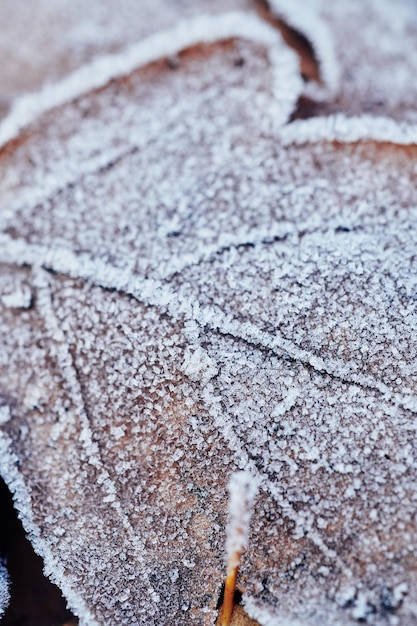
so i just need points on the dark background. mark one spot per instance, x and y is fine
(34, 600)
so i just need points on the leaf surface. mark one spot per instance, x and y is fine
(184, 294)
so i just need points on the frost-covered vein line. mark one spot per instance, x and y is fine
(266, 235)
(69, 178)
(246, 331)
(344, 129)
(204, 29)
(44, 303)
(156, 293)
(271, 488)
(9, 464)
(170, 267)
(299, 16)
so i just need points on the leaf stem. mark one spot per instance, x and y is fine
(242, 489)
(229, 590)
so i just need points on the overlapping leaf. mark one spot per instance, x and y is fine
(42, 41)
(367, 52)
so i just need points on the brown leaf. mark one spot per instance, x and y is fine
(185, 293)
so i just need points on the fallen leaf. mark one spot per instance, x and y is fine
(186, 291)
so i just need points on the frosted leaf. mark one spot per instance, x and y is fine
(368, 48)
(198, 366)
(4, 588)
(47, 40)
(107, 132)
(144, 510)
(207, 297)
(165, 45)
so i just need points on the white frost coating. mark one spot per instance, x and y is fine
(268, 486)
(14, 480)
(157, 293)
(304, 19)
(92, 449)
(205, 29)
(18, 299)
(242, 487)
(287, 403)
(4, 588)
(307, 435)
(340, 127)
